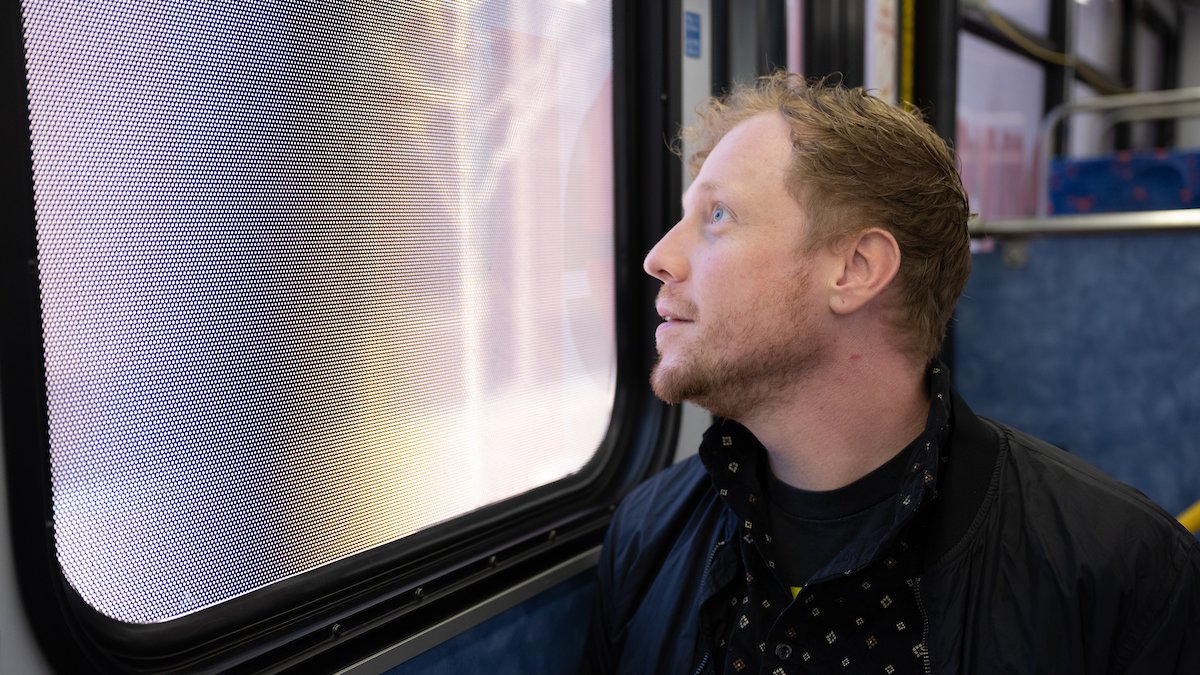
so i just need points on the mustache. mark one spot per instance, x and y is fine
(678, 306)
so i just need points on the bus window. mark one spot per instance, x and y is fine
(314, 281)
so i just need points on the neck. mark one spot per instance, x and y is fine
(845, 419)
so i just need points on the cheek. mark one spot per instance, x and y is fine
(727, 273)
(740, 280)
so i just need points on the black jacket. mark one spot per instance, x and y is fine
(1031, 561)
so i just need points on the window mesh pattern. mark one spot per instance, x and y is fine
(315, 276)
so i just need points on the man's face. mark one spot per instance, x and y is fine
(741, 315)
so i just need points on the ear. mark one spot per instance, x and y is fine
(867, 262)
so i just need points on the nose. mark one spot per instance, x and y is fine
(667, 261)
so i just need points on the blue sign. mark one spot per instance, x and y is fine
(691, 23)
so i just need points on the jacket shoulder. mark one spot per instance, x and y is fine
(1095, 571)
(1057, 483)
(656, 511)
(1110, 548)
(654, 549)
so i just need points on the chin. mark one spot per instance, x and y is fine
(664, 389)
(668, 383)
(676, 385)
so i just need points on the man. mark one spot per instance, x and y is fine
(848, 513)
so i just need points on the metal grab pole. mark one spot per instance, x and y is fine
(1173, 219)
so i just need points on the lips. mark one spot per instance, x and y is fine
(669, 322)
(672, 320)
(671, 314)
(675, 312)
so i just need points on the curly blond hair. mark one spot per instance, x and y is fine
(858, 162)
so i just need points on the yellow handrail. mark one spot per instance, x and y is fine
(1191, 518)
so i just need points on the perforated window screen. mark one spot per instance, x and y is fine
(315, 276)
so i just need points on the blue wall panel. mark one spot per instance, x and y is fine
(1094, 345)
(542, 635)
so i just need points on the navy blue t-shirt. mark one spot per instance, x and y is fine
(810, 528)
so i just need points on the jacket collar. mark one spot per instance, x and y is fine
(970, 473)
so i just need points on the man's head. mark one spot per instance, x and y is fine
(858, 162)
(805, 168)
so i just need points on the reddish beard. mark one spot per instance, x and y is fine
(739, 365)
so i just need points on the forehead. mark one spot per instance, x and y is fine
(755, 152)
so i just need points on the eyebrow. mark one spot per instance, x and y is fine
(707, 186)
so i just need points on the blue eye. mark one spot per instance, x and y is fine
(718, 213)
